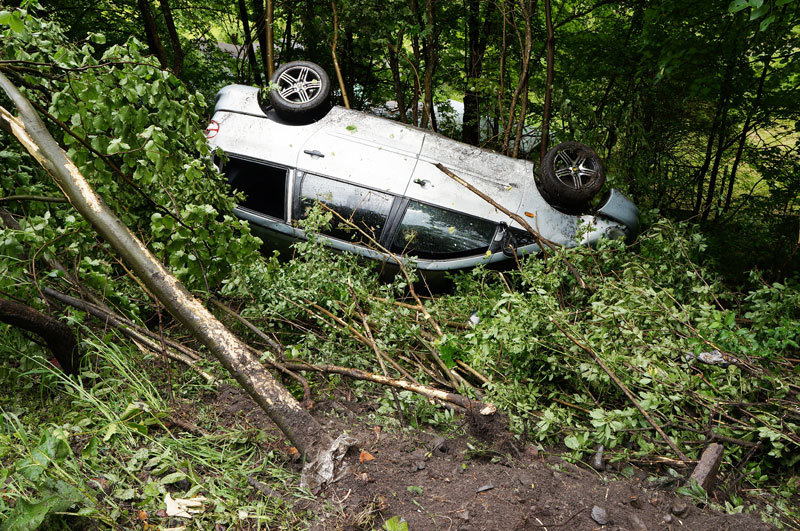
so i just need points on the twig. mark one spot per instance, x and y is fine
(40, 198)
(277, 347)
(380, 355)
(519, 219)
(624, 389)
(177, 352)
(423, 390)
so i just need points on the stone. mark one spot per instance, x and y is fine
(484, 488)
(599, 515)
(526, 480)
(636, 523)
(597, 462)
(679, 508)
(668, 519)
(705, 473)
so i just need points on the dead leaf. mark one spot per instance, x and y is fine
(142, 515)
(365, 456)
(184, 508)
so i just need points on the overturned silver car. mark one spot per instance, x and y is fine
(292, 150)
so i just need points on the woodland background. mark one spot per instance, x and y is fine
(693, 107)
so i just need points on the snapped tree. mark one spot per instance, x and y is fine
(294, 421)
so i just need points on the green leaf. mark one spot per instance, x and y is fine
(571, 442)
(760, 12)
(756, 3)
(172, 478)
(112, 430)
(26, 516)
(737, 5)
(16, 23)
(766, 22)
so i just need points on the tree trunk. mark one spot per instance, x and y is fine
(548, 88)
(57, 336)
(394, 66)
(177, 50)
(415, 47)
(701, 174)
(431, 50)
(286, 46)
(502, 67)
(151, 33)
(471, 123)
(743, 135)
(248, 42)
(338, 70)
(294, 421)
(270, 45)
(260, 22)
(712, 181)
(528, 11)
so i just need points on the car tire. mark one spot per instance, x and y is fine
(300, 91)
(572, 174)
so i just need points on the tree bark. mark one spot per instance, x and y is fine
(248, 42)
(394, 66)
(57, 336)
(270, 45)
(294, 421)
(430, 48)
(338, 70)
(415, 48)
(548, 89)
(177, 50)
(529, 8)
(701, 174)
(151, 33)
(286, 48)
(743, 136)
(260, 23)
(712, 181)
(470, 126)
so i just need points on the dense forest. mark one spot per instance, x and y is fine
(643, 353)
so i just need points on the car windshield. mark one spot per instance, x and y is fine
(430, 232)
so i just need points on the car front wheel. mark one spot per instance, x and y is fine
(300, 91)
(572, 174)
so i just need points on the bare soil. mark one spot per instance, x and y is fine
(478, 481)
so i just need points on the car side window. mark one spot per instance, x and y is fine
(264, 186)
(367, 209)
(430, 232)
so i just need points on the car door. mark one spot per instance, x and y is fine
(364, 150)
(497, 176)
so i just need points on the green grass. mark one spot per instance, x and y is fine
(97, 450)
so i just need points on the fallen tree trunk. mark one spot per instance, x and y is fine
(294, 421)
(57, 336)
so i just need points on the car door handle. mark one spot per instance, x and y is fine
(313, 153)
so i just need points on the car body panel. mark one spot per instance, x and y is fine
(391, 157)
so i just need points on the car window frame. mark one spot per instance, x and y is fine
(296, 214)
(492, 245)
(288, 181)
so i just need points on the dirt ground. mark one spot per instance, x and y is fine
(433, 481)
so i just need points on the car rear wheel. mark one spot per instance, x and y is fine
(300, 91)
(572, 174)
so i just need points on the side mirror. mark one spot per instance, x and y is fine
(508, 244)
